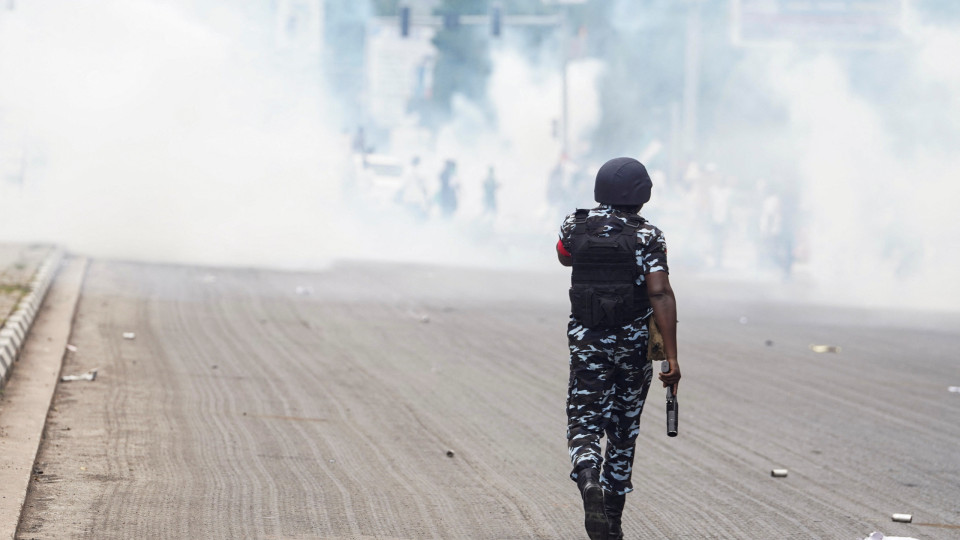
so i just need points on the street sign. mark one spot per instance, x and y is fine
(843, 23)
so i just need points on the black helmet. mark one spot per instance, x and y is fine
(622, 181)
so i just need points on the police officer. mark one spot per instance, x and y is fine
(619, 281)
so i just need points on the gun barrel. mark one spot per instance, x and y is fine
(672, 406)
(672, 411)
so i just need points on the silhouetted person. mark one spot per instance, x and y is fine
(449, 189)
(490, 187)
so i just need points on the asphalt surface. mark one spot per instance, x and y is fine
(377, 401)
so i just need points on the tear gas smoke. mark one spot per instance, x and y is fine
(879, 209)
(148, 134)
(155, 132)
(872, 167)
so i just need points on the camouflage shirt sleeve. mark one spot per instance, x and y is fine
(651, 250)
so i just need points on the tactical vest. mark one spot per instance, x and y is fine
(603, 291)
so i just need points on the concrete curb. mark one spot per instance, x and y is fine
(15, 329)
(29, 391)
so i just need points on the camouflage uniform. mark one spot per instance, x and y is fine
(610, 373)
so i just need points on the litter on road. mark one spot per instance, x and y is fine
(879, 536)
(778, 473)
(903, 518)
(304, 290)
(955, 389)
(88, 376)
(129, 335)
(824, 348)
(71, 348)
(422, 317)
(450, 453)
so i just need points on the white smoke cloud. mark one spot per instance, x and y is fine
(160, 138)
(880, 222)
(519, 142)
(157, 134)
(164, 136)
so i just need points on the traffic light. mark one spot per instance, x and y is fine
(495, 18)
(405, 21)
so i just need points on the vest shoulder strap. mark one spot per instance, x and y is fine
(635, 221)
(580, 220)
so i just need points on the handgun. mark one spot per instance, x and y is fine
(671, 404)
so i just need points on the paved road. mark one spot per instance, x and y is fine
(247, 409)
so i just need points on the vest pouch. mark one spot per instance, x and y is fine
(602, 305)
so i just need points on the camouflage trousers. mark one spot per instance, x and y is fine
(609, 379)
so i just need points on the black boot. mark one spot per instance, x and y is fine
(594, 518)
(613, 506)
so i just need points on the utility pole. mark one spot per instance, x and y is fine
(691, 79)
(565, 44)
(564, 105)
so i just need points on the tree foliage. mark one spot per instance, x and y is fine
(463, 60)
(386, 8)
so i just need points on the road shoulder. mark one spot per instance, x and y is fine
(27, 395)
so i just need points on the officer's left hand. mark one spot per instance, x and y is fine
(672, 377)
